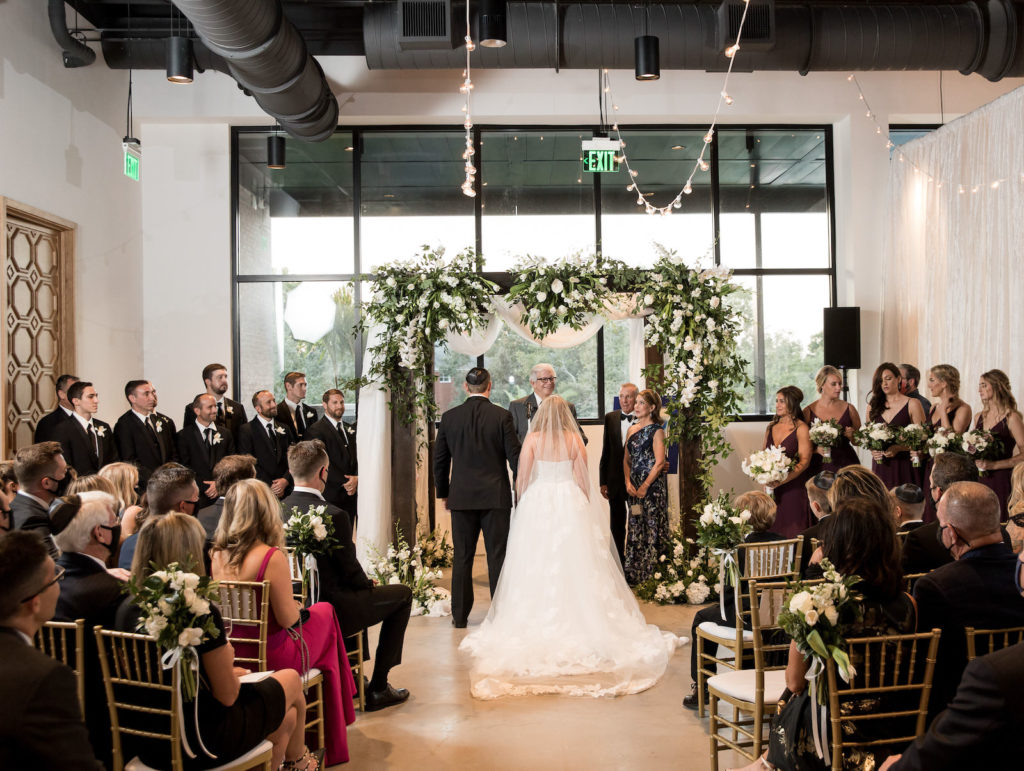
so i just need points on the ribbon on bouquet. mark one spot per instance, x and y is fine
(727, 562)
(172, 659)
(312, 574)
(819, 714)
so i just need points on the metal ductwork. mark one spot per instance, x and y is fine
(267, 56)
(75, 53)
(983, 36)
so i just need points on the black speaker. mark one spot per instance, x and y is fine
(842, 337)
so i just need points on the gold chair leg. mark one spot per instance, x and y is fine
(701, 679)
(713, 731)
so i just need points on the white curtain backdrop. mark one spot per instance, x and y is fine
(373, 438)
(953, 292)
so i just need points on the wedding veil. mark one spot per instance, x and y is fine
(554, 437)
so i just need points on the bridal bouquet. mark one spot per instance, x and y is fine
(981, 445)
(943, 440)
(875, 436)
(175, 607)
(767, 466)
(826, 434)
(311, 534)
(914, 436)
(402, 565)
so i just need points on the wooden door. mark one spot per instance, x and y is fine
(37, 306)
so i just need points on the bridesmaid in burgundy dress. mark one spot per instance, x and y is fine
(888, 405)
(788, 431)
(1000, 416)
(948, 411)
(829, 406)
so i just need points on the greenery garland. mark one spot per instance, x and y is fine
(566, 292)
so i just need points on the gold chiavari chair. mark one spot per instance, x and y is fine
(65, 642)
(910, 579)
(983, 641)
(354, 648)
(245, 605)
(888, 667)
(144, 702)
(772, 560)
(299, 589)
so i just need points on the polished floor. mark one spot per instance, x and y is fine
(443, 727)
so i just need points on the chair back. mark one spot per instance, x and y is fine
(245, 608)
(65, 642)
(888, 667)
(983, 641)
(910, 579)
(142, 696)
(767, 600)
(771, 559)
(299, 590)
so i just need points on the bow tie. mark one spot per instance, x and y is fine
(628, 418)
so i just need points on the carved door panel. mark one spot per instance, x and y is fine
(38, 311)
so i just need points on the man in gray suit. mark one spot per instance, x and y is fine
(542, 380)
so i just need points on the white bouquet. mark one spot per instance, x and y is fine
(875, 436)
(825, 434)
(404, 565)
(915, 436)
(981, 445)
(943, 440)
(768, 466)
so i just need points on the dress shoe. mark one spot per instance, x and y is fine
(691, 702)
(459, 624)
(388, 697)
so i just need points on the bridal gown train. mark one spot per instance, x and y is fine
(563, 619)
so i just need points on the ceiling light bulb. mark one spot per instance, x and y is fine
(709, 136)
(703, 164)
(687, 188)
(634, 173)
(677, 203)
(468, 124)
(630, 187)
(731, 50)
(728, 99)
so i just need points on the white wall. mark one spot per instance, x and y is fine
(60, 151)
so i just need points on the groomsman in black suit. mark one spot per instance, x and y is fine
(267, 441)
(88, 442)
(230, 413)
(42, 475)
(144, 436)
(202, 445)
(40, 721)
(293, 413)
(474, 443)
(339, 439)
(48, 423)
(542, 380)
(611, 473)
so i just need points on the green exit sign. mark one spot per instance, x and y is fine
(132, 161)
(600, 160)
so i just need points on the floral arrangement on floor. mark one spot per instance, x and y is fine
(721, 529)
(402, 565)
(175, 605)
(915, 437)
(310, 534)
(826, 434)
(565, 292)
(434, 549)
(768, 466)
(944, 440)
(685, 573)
(875, 436)
(981, 445)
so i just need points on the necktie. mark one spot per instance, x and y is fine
(341, 431)
(209, 437)
(273, 437)
(151, 424)
(94, 440)
(628, 418)
(220, 412)
(300, 426)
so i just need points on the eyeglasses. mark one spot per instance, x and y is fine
(58, 576)
(551, 379)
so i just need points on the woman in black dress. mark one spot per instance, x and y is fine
(889, 406)
(829, 406)
(999, 415)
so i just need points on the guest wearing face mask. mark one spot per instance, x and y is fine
(42, 475)
(172, 487)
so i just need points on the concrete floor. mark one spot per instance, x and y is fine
(443, 727)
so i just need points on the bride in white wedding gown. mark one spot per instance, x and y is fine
(562, 619)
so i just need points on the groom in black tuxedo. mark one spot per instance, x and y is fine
(612, 477)
(474, 443)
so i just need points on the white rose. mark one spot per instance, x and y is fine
(707, 519)
(190, 580)
(542, 296)
(319, 532)
(735, 520)
(715, 302)
(155, 625)
(648, 299)
(161, 574)
(394, 580)
(556, 286)
(657, 576)
(189, 595)
(801, 603)
(391, 282)
(744, 515)
(190, 637)
(832, 615)
(164, 606)
(811, 617)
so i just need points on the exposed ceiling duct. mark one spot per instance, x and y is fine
(75, 52)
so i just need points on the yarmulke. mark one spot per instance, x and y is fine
(477, 376)
(62, 511)
(823, 479)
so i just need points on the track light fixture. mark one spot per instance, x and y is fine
(647, 60)
(275, 151)
(493, 28)
(179, 59)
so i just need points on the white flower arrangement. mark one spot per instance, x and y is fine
(768, 466)
(279, 429)
(217, 438)
(878, 437)
(563, 292)
(402, 565)
(915, 437)
(685, 574)
(944, 440)
(434, 550)
(826, 434)
(981, 445)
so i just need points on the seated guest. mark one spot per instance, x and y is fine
(974, 590)
(125, 479)
(358, 602)
(41, 471)
(229, 470)
(1015, 524)
(859, 539)
(144, 436)
(266, 440)
(87, 441)
(203, 444)
(981, 727)
(8, 479)
(821, 509)
(40, 720)
(236, 716)
(91, 483)
(921, 549)
(172, 487)
(762, 516)
(44, 431)
(249, 546)
(6, 519)
(86, 530)
(908, 499)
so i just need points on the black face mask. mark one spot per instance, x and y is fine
(62, 485)
(938, 537)
(115, 537)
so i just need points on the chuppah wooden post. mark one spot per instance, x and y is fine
(691, 491)
(403, 475)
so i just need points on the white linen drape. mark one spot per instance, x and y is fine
(952, 286)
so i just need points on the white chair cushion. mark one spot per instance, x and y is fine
(243, 761)
(722, 632)
(312, 676)
(740, 684)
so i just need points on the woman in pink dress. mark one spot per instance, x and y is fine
(248, 546)
(788, 431)
(948, 411)
(999, 415)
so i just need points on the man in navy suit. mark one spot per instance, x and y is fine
(48, 423)
(267, 440)
(144, 436)
(88, 442)
(339, 439)
(611, 473)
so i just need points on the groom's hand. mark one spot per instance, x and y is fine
(445, 502)
(604, 491)
(351, 484)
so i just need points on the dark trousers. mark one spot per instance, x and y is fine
(711, 613)
(466, 527)
(617, 508)
(388, 606)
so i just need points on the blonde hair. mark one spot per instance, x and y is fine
(91, 483)
(1000, 384)
(553, 417)
(824, 374)
(761, 507)
(858, 482)
(125, 478)
(251, 515)
(175, 537)
(1016, 503)
(949, 375)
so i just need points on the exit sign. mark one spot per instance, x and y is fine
(132, 161)
(600, 155)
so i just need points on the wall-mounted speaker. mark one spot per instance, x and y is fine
(842, 337)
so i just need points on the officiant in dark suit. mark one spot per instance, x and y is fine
(144, 437)
(88, 442)
(48, 423)
(542, 380)
(292, 412)
(202, 445)
(474, 443)
(359, 604)
(266, 440)
(230, 413)
(611, 474)
(339, 439)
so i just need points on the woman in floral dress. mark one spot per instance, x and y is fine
(644, 460)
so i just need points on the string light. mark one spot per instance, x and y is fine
(469, 186)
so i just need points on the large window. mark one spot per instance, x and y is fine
(304, 235)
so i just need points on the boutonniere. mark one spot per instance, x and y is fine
(101, 430)
(216, 438)
(159, 424)
(350, 429)
(229, 409)
(278, 429)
